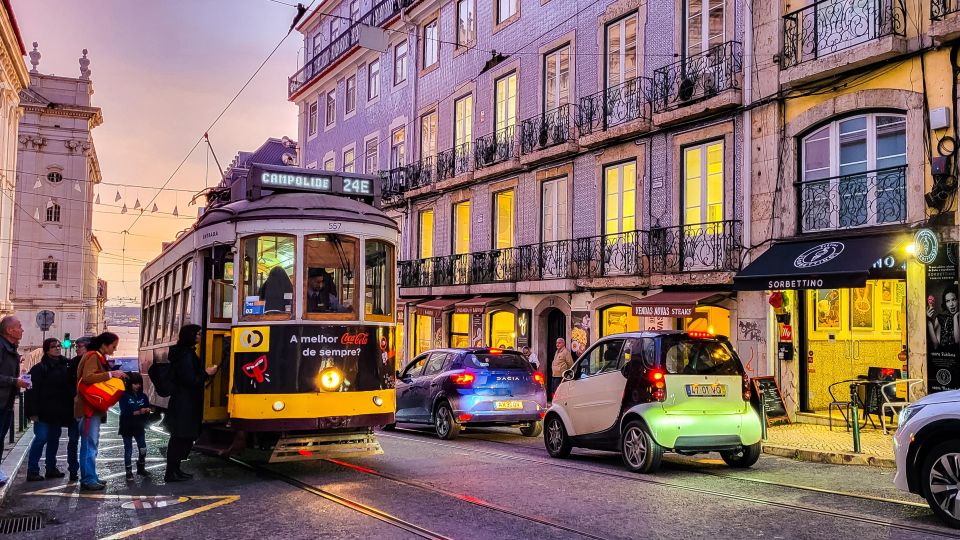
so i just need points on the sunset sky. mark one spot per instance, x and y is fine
(161, 72)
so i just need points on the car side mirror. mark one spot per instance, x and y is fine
(568, 375)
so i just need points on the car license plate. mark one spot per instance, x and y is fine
(706, 390)
(508, 405)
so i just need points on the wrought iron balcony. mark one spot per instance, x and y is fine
(712, 246)
(855, 200)
(394, 182)
(608, 255)
(939, 9)
(829, 26)
(545, 130)
(614, 106)
(697, 77)
(494, 148)
(454, 162)
(379, 14)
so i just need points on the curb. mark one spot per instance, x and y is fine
(834, 458)
(14, 461)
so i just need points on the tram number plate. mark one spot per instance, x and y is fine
(334, 225)
(706, 390)
(501, 405)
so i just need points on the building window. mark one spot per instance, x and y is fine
(351, 99)
(618, 319)
(53, 212)
(317, 44)
(334, 28)
(373, 80)
(621, 54)
(503, 219)
(54, 177)
(428, 134)
(463, 121)
(459, 330)
(505, 101)
(400, 63)
(50, 270)
(372, 156)
(312, 119)
(506, 9)
(398, 153)
(461, 228)
(466, 22)
(620, 198)
(355, 10)
(852, 172)
(554, 211)
(426, 234)
(331, 107)
(328, 165)
(431, 43)
(704, 26)
(349, 157)
(423, 339)
(703, 183)
(556, 78)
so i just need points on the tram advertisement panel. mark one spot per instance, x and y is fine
(288, 359)
(943, 321)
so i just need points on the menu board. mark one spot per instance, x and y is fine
(766, 393)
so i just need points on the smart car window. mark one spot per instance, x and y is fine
(414, 368)
(701, 357)
(602, 358)
(496, 361)
(435, 363)
(642, 349)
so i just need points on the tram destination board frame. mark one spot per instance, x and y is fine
(766, 394)
(297, 179)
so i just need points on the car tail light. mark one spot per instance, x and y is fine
(746, 388)
(464, 417)
(537, 376)
(542, 414)
(695, 334)
(463, 379)
(657, 384)
(496, 351)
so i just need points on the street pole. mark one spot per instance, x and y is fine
(855, 416)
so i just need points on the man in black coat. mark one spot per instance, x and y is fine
(184, 415)
(48, 404)
(11, 331)
(73, 430)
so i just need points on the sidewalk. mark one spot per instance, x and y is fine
(809, 442)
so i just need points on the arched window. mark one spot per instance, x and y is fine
(54, 177)
(853, 173)
(53, 212)
(503, 330)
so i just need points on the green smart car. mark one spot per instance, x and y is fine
(646, 393)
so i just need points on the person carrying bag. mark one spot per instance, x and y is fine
(92, 401)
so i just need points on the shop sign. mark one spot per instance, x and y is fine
(524, 323)
(927, 246)
(786, 332)
(580, 332)
(942, 316)
(663, 310)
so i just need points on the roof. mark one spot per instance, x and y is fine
(270, 153)
(297, 205)
(16, 27)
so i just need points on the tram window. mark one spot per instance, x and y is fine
(221, 300)
(330, 265)
(174, 315)
(268, 277)
(378, 299)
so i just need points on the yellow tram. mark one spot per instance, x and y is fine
(290, 273)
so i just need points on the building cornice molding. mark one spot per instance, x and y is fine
(14, 67)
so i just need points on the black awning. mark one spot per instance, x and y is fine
(816, 264)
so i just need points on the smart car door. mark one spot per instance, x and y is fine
(595, 395)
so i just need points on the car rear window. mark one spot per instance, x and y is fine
(700, 357)
(496, 361)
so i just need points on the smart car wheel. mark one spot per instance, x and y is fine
(556, 439)
(389, 427)
(532, 430)
(940, 475)
(744, 457)
(641, 453)
(447, 428)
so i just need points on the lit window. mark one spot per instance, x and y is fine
(349, 157)
(619, 198)
(703, 183)
(461, 228)
(459, 329)
(50, 271)
(503, 330)
(466, 22)
(426, 234)
(400, 63)
(268, 277)
(506, 102)
(372, 157)
(328, 165)
(312, 119)
(373, 80)
(351, 99)
(503, 219)
(424, 334)
(431, 43)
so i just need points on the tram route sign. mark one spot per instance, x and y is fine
(282, 178)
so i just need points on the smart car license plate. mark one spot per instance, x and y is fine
(706, 390)
(501, 405)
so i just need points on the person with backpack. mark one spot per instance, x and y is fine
(49, 405)
(93, 369)
(134, 412)
(185, 410)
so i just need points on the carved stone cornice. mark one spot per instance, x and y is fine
(32, 141)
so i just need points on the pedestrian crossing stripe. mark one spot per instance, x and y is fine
(145, 504)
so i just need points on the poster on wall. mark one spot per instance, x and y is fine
(580, 333)
(476, 329)
(943, 321)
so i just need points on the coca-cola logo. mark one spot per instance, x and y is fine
(354, 339)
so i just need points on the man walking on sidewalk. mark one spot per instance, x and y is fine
(73, 430)
(11, 331)
(562, 361)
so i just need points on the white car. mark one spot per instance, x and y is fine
(927, 449)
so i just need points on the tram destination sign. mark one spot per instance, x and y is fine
(280, 178)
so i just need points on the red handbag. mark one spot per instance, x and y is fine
(103, 395)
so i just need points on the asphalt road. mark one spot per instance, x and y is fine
(488, 484)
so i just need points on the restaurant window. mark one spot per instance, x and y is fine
(426, 234)
(503, 219)
(398, 148)
(503, 330)
(400, 63)
(330, 262)
(466, 22)
(312, 119)
(618, 319)
(703, 183)
(431, 43)
(621, 57)
(349, 160)
(378, 265)
(428, 134)
(372, 157)
(461, 228)
(268, 277)
(423, 340)
(459, 330)
(351, 94)
(506, 9)
(704, 25)
(331, 109)
(619, 198)
(556, 79)
(373, 80)
(463, 121)
(505, 100)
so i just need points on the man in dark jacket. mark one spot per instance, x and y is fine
(73, 430)
(11, 331)
(49, 405)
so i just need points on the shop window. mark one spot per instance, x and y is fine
(423, 334)
(461, 228)
(378, 264)
(459, 330)
(426, 234)
(503, 330)
(712, 319)
(330, 261)
(503, 219)
(617, 320)
(268, 277)
(620, 198)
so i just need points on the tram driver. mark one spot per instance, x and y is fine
(321, 293)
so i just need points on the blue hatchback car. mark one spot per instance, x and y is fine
(453, 388)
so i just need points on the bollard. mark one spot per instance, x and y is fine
(855, 416)
(763, 422)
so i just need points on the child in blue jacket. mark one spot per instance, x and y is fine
(134, 412)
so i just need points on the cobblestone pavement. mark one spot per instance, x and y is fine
(818, 443)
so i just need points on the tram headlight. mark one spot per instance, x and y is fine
(377, 400)
(330, 379)
(278, 405)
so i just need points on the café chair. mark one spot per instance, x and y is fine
(893, 404)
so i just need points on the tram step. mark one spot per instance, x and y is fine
(325, 446)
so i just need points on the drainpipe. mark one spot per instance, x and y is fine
(747, 229)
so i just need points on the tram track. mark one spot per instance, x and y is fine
(846, 516)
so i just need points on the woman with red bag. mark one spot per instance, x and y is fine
(93, 369)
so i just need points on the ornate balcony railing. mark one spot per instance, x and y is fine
(394, 182)
(614, 106)
(829, 26)
(494, 148)
(420, 173)
(416, 273)
(939, 9)
(379, 14)
(454, 161)
(698, 77)
(855, 200)
(545, 130)
(608, 255)
(711, 246)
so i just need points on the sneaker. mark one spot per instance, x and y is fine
(102, 483)
(92, 487)
(34, 477)
(54, 473)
